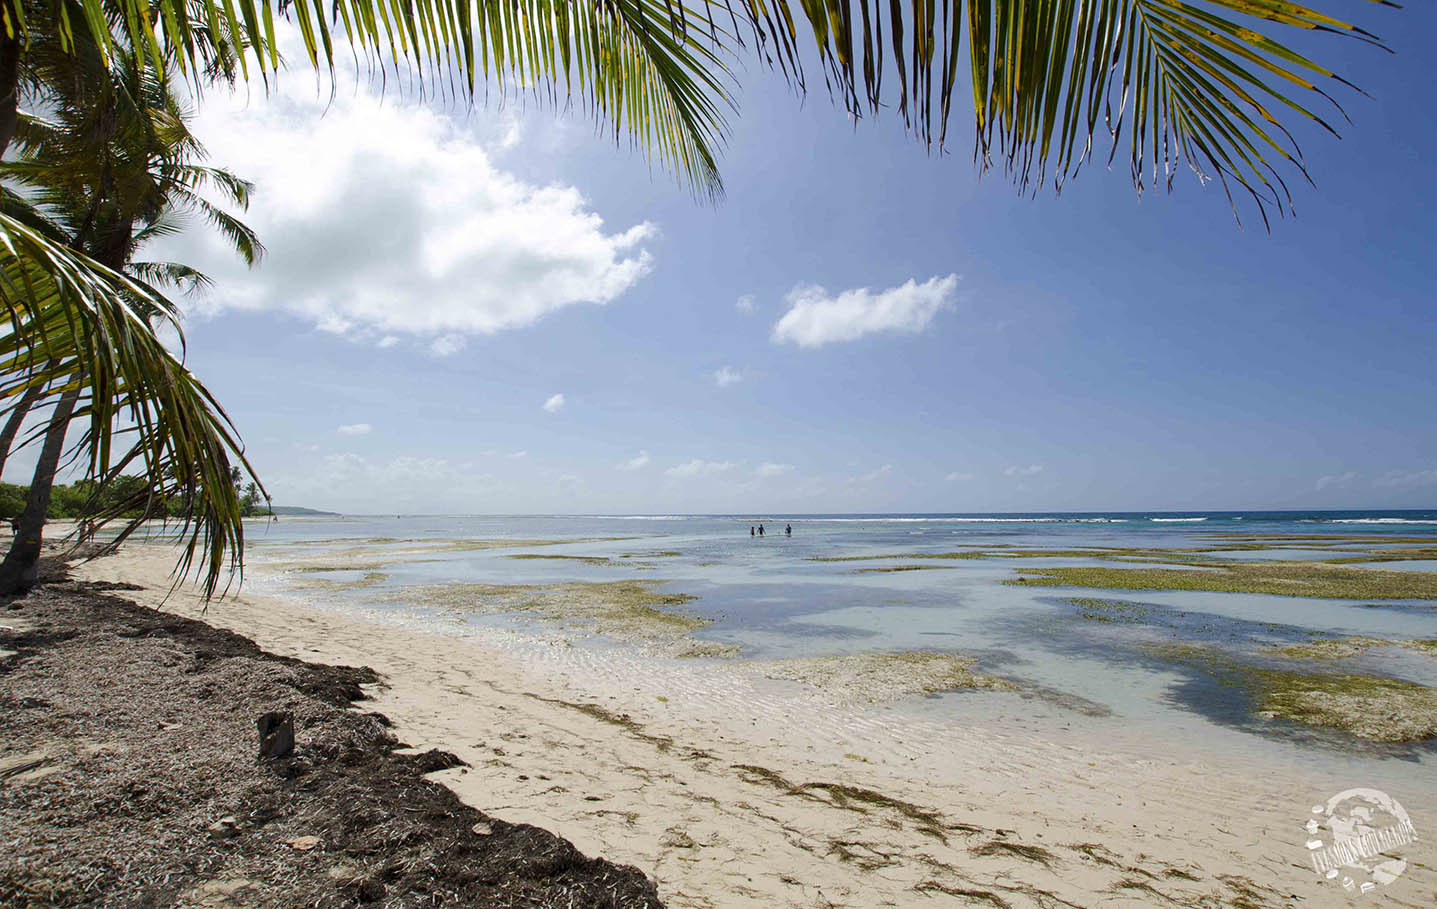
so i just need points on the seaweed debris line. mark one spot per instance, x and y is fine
(128, 776)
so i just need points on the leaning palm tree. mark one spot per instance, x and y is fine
(112, 165)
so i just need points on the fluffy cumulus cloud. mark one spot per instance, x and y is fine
(815, 317)
(1019, 471)
(638, 462)
(355, 429)
(555, 403)
(699, 468)
(725, 376)
(386, 220)
(746, 303)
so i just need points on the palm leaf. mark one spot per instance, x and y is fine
(1202, 83)
(170, 274)
(240, 236)
(71, 319)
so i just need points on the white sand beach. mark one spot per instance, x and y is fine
(733, 790)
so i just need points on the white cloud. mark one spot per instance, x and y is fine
(1339, 481)
(518, 454)
(399, 483)
(1019, 471)
(635, 463)
(1407, 479)
(873, 475)
(725, 376)
(386, 218)
(770, 469)
(444, 345)
(815, 318)
(555, 403)
(699, 468)
(355, 429)
(746, 303)
(387, 341)
(957, 477)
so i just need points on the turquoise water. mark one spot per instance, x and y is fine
(770, 597)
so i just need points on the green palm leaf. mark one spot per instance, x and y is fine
(69, 316)
(1170, 82)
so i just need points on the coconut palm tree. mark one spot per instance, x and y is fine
(111, 166)
(58, 77)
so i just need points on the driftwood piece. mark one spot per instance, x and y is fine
(276, 734)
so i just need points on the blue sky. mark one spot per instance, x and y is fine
(435, 279)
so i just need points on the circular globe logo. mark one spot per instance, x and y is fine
(1356, 839)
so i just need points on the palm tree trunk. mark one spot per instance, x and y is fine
(10, 48)
(21, 567)
(17, 417)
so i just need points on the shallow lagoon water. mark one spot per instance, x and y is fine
(1280, 554)
(769, 596)
(1408, 565)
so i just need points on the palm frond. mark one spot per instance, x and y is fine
(624, 58)
(170, 274)
(234, 188)
(1200, 82)
(71, 319)
(240, 236)
(1169, 82)
(168, 224)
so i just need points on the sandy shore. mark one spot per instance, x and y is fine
(730, 790)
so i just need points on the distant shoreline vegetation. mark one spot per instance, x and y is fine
(85, 498)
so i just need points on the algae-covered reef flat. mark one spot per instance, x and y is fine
(373, 553)
(586, 560)
(329, 585)
(1345, 648)
(1346, 551)
(628, 610)
(877, 678)
(963, 554)
(1303, 579)
(885, 569)
(1120, 612)
(1372, 707)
